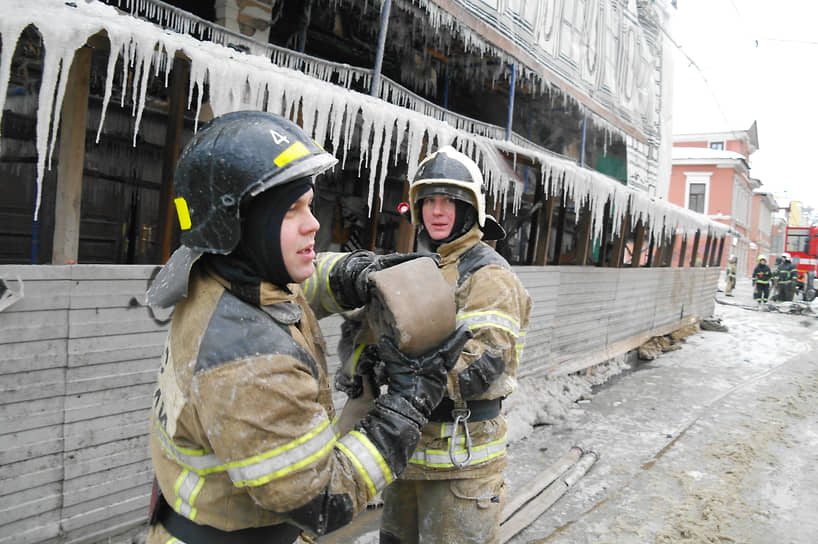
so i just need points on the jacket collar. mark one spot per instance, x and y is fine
(451, 252)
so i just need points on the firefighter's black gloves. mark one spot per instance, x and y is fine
(349, 278)
(422, 379)
(368, 367)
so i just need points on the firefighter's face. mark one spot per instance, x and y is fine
(438, 216)
(298, 238)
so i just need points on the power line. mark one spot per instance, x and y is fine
(704, 78)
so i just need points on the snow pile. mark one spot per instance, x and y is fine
(547, 400)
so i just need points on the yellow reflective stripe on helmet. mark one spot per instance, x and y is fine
(295, 151)
(489, 318)
(183, 212)
(258, 469)
(363, 454)
(187, 488)
(173, 540)
(441, 459)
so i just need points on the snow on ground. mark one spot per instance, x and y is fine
(655, 407)
(643, 414)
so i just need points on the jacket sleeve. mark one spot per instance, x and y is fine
(496, 308)
(278, 444)
(323, 295)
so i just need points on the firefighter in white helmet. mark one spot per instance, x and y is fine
(242, 438)
(453, 489)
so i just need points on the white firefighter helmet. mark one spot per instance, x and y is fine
(451, 173)
(786, 257)
(762, 258)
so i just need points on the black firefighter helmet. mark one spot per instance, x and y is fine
(230, 160)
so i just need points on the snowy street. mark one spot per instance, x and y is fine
(715, 442)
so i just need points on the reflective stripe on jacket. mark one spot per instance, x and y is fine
(241, 428)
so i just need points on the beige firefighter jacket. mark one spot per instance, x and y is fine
(493, 303)
(242, 421)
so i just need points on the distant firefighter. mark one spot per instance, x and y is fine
(761, 279)
(731, 275)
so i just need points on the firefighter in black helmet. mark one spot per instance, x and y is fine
(242, 438)
(761, 279)
(453, 490)
(785, 276)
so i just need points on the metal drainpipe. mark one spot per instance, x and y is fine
(376, 71)
(511, 101)
(582, 148)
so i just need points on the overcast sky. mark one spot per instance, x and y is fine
(753, 60)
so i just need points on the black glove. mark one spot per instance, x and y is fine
(349, 278)
(369, 367)
(422, 379)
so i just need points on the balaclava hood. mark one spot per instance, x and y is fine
(258, 255)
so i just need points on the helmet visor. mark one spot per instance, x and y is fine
(451, 191)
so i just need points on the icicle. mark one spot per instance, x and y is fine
(117, 46)
(145, 56)
(10, 30)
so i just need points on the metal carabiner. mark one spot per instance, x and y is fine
(460, 416)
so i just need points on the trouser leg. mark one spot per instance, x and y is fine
(466, 511)
(399, 520)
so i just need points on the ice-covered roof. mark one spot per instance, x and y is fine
(238, 80)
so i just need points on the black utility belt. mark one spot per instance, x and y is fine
(193, 533)
(481, 410)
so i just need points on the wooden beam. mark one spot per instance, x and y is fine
(583, 235)
(695, 250)
(619, 244)
(544, 233)
(560, 228)
(659, 250)
(721, 251)
(373, 227)
(170, 154)
(682, 251)
(668, 254)
(707, 250)
(65, 249)
(534, 232)
(406, 230)
(638, 241)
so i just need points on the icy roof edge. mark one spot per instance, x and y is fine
(241, 81)
(586, 186)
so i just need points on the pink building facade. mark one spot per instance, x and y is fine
(711, 176)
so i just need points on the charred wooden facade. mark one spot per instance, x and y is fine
(559, 102)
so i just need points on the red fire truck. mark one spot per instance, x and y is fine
(802, 245)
